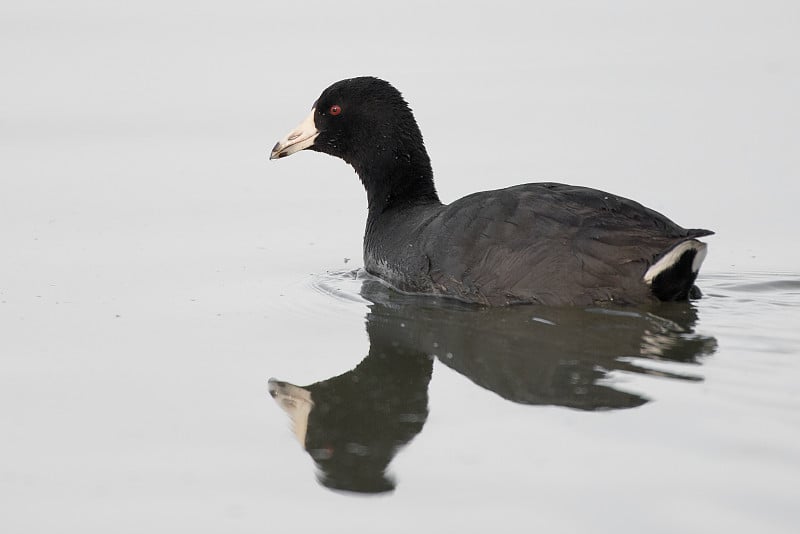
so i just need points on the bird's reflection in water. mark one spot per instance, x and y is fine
(353, 424)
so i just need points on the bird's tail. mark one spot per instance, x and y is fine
(672, 276)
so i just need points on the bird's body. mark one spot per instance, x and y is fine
(535, 243)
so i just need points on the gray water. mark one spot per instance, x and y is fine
(156, 271)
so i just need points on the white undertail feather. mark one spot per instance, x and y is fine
(672, 257)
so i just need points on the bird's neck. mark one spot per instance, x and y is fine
(396, 179)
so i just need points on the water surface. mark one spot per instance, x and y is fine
(621, 378)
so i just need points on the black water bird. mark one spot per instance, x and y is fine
(545, 243)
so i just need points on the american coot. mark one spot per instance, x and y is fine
(535, 243)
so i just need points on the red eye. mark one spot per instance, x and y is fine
(335, 110)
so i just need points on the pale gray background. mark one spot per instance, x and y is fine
(154, 266)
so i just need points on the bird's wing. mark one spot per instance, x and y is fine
(549, 243)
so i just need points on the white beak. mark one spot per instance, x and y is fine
(301, 137)
(296, 402)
